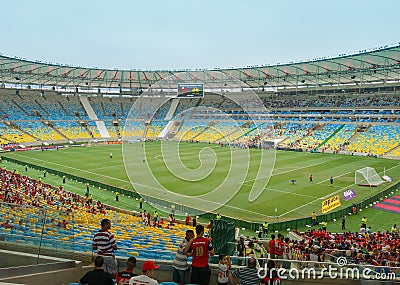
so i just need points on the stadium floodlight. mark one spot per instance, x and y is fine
(367, 176)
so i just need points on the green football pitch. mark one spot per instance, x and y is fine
(280, 200)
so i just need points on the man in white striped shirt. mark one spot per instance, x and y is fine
(179, 264)
(105, 244)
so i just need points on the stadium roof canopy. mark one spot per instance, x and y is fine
(379, 66)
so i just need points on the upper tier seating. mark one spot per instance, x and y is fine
(28, 119)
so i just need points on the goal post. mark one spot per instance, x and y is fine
(367, 176)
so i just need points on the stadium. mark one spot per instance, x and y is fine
(271, 143)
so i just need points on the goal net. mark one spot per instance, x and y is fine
(367, 176)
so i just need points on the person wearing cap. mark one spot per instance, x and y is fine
(105, 243)
(200, 247)
(148, 270)
(123, 277)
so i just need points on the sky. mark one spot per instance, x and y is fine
(186, 34)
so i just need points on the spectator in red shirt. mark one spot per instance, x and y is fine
(200, 247)
(272, 247)
(278, 249)
(6, 224)
(123, 277)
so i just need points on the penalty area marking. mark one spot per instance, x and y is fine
(288, 192)
(240, 209)
(330, 194)
(283, 172)
(326, 180)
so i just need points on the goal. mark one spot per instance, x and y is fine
(367, 176)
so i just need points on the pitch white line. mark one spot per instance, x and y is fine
(259, 214)
(355, 183)
(327, 196)
(228, 206)
(105, 167)
(287, 192)
(221, 205)
(283, 172)
(334, 177)
(74, 168)
(113, 166)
